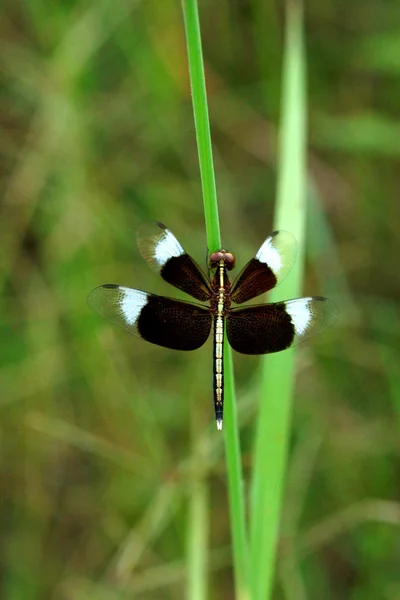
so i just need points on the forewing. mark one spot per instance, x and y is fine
(163, 321)
(267, 328)
(267, 269)
(164, 254)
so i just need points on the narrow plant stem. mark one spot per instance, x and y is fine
(201, 121)
(235, 483)
(233, 455)
(272, 433)
(198, 537)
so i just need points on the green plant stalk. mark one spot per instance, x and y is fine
(272, 435)
(197, 542)
(235, 482)
(233, 456)
(201, 121)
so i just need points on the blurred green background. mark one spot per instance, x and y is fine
(101, 432)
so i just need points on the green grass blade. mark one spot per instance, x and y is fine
(201, 121)
(233, 456)
(235, 482)
(198, 538)
(272, 433)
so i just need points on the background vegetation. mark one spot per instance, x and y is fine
(102, 435)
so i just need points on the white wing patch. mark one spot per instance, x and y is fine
(131, 303)
(300, 313)
(167, 247)
(269, 255)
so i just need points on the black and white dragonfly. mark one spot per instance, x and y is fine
(179, 325)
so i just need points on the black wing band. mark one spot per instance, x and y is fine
(163, 321)
(164, 254)
(267, 328)
(267, 269)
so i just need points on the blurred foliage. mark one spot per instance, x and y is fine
(100, 432)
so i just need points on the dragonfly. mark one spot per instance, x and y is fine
(180, 325)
